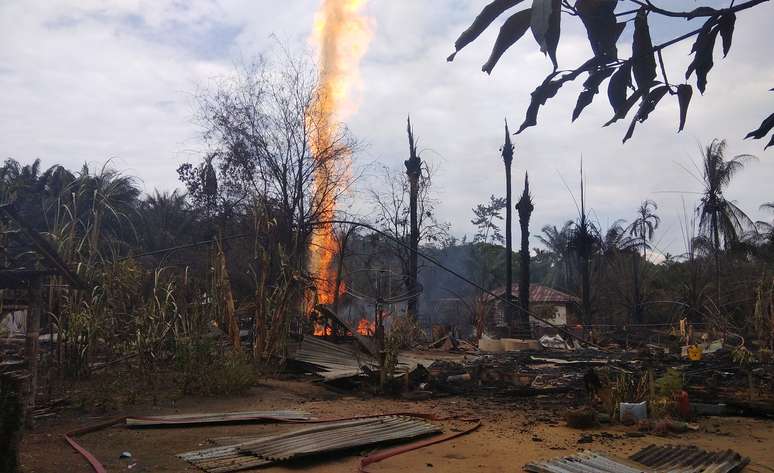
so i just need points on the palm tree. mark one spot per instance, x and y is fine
(642, 229)
(557, 242)
(720, 220)
(165, 219)
(766, 229)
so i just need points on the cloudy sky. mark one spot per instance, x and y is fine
(87, 80)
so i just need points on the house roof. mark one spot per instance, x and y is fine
(539, 293)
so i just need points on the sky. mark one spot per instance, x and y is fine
(92, 80)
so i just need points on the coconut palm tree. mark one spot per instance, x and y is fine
(720, 220)
(642, 230)
(557, 242)
(165, 220)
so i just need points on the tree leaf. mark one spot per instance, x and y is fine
(616, 88)
(726, 27)
(684, 93)
(590, 89)
(598, 17)
(511, 31)
(548, 89)
(647, 105)
(624, 110)
(763, 130)
(702, 59)
(545, 26)
(701, 11)
(643, 59)
(482, 21)
(554, 31)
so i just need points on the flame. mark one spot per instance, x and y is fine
(321, 330)
(366, 327)
(341, 36)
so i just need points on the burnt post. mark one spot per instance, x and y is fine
(413, 170)
(525, 207)
(507, 153)
(34, 310)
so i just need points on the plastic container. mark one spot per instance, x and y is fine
(633, 412)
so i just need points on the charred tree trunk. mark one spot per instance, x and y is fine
(413, 169)
(525, 208)
(507, 152)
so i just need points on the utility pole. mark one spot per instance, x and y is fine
(507, 153)
(413, 170)
(525, 207)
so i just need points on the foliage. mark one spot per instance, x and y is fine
(484, 218)
(604, 24)
(207, 370)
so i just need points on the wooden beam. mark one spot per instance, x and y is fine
(31, 343)
(44, 248)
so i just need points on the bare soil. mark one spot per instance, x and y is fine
(513, 432)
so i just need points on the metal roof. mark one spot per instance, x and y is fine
(652, 459)
(323, 437)
(216, 418)
(682, 458)
(540, 294)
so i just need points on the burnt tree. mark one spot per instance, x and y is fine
(525, 207)
(413, 171)
(507, 152)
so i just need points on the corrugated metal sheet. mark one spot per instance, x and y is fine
(334, 361)
(652, 459)
(216, 418)
(682, 458)
(583, 462)
(324, 437)
(342, 361)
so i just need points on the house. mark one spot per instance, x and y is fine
(549, 304)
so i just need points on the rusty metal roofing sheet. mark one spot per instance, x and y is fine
(324, 437)
(652, 459)
(688, 458)
(583, 462)
(217, 418)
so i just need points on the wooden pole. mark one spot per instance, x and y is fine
(34, 310)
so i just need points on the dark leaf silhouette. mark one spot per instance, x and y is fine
(702, 11)
(647, 105)
(624, 110)
(540, 95)
(482, 21)
(545, 25)
(548, 89)
(643, 60)
(763, 130)
(684, 93)
(554, 28)
(702, 59)
(599, 19)
(511, 31)
(619, 83)
(726, 26)
(590, 89)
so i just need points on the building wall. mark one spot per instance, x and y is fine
(559, 314)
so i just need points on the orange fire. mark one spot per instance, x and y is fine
(366, 327)
(322, 330)
(341, 36)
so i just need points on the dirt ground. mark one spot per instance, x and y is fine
(513, 432)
